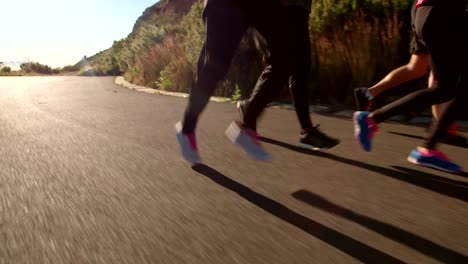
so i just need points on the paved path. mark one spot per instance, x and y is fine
(90, 173)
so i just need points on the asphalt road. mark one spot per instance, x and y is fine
(90, 173)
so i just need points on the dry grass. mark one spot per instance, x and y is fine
(353, 55)
(149, 66)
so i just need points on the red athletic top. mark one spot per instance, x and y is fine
(420, 2)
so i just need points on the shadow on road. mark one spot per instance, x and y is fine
(413, 241)
(407, 135)
(452, 188)
(435, 178)
(456, 144)
(348, 245)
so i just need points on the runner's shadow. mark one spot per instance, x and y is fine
(287, 146)
(438, 184)
(346, 244)
(407, 135)
(434, 177)
(394, 233)
(459, 144)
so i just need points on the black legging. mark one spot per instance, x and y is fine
(226, 22)
(442, 28)
(267, 88)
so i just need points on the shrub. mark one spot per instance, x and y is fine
(70, 68)
(6, 69)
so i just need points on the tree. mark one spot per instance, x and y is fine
(6, 69)
(26, 67)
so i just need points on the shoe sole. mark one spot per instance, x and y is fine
(414, 161)
(314, 148)
(305, 146)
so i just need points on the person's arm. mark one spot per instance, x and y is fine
(416, 68)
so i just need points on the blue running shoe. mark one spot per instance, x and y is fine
(247, 140)
(433, 159)
(364, 130)
(188, 145)
(242, 109)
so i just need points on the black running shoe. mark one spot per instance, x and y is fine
(317, 140)
(241, 108)
(362, 102)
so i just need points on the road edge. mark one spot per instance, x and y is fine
(346, 113)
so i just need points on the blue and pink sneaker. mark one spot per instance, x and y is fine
(188, 145)
(364, 130)
(433, 159)
(247, 140)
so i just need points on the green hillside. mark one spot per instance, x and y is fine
(354, 43)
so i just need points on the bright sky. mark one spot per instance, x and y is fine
(61, 32)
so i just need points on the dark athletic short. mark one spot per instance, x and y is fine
(417, 45)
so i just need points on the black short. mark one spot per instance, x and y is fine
(417, 44)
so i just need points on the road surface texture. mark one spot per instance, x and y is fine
(90, 173)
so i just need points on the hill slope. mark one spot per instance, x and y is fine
(354, 43)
